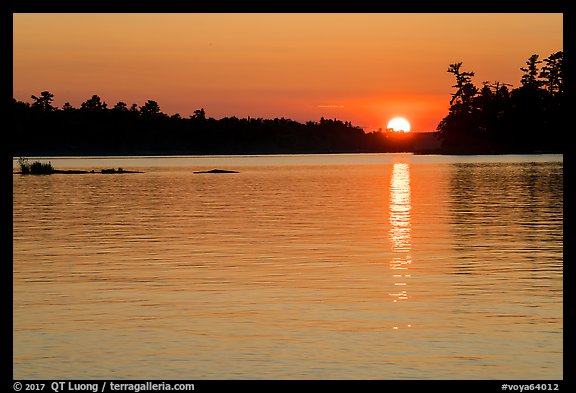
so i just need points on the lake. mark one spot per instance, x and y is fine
(352, 266)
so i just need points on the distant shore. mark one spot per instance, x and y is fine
(79, 172)
(67, 154)
(39, 168)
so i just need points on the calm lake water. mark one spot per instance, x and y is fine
(297, 267)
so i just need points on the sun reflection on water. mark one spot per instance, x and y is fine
(400, 230)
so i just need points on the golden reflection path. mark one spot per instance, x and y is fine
(400, 231)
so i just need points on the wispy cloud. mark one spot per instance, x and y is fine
(329, 106)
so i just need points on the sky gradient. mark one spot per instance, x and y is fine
(363, 68)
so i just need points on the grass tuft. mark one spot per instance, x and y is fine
(35, 168)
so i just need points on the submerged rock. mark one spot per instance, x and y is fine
(119, 170)
(217, 171)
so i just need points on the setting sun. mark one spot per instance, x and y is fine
(399, 124)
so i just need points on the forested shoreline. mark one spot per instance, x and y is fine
(492, 119)
(529, 118)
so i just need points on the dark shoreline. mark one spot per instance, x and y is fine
(119, 171)
(161, 153)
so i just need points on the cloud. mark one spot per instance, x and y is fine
(329, 106)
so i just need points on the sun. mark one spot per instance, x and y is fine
(399, 124)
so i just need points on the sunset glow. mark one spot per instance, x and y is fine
(297, 66)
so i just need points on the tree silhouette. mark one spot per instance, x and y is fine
(530, 77)
(465, 90)
(120, 107)
(459, 128)
(93, 104)
(150, 108)
(199, 114)
(67, 107)
(495, 119)
(44, 102)
(552, 72)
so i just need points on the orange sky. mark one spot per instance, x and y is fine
(364, 68)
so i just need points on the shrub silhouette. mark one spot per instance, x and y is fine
(36, 168)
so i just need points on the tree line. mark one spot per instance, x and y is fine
(495, 118)
(490, 119)
(96, 129)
